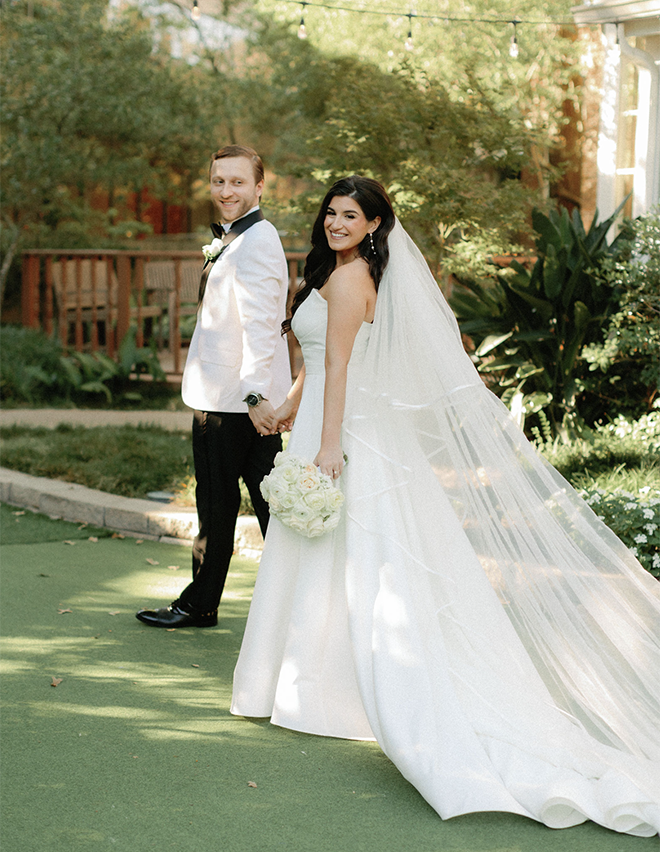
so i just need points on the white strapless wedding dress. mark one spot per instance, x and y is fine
(353, 635)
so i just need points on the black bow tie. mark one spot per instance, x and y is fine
(239, 225)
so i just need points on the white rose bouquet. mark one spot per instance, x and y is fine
(302, 497)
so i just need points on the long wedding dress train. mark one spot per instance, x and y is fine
(470, 612)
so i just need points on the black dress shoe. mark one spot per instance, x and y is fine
(175, 616)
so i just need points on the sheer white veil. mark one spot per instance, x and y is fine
(586, 612)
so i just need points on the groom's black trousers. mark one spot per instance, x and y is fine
(226, 446)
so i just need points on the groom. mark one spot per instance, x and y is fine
(236, 375)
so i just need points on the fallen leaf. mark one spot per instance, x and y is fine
(170, 629)
(68, 541)
(93, 538)
(195, 665)
(252, 784)
(18, 513)
(116, 612)
(173, 567)
(62, 611)
(55, 681)
(153, 561)
(118, 535)
(82, 526)
(139, 541)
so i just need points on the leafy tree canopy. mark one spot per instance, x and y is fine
(450, 128)
(89, 102)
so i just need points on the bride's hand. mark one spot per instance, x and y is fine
(330, 461)
(285, 415)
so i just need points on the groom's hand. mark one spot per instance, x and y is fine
(263, 418)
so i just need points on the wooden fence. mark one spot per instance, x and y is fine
(92, 297)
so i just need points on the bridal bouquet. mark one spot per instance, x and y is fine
(302, 497)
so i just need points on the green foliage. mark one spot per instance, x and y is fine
(35, 368)
(629, 447)
(625, 364)
(617, 472)
(449, 132)
(450, 162)
(635, 518)
(126, 460)
(90, 105)
(530, 327)
(30, 363)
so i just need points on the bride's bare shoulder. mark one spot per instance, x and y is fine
(349, 276)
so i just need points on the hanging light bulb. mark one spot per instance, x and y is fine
(302, 29)
(409, 41)
(195, 14)
(513, 47)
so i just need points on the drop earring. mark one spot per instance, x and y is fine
(371, 238)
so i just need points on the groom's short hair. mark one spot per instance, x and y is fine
(242, 151)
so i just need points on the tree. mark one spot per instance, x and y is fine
(89, 104)
(450, 128)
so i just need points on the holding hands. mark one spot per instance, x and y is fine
(264, 418)
(285, 415)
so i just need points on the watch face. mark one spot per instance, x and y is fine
(252, 399)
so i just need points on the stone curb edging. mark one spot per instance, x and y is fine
(127, 515)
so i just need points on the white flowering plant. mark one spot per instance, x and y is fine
(635, 518)
(213, 250)
(302, 497)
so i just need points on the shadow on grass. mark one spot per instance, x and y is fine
(135, 748)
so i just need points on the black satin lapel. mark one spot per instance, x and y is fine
(241, 225)
(238, 227)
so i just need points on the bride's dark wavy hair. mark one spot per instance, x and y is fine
(321, 260)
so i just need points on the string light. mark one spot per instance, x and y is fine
(446, 18)
(513, 47)
(409, 45)
(302, 30)
(409, 41)
(195, 14)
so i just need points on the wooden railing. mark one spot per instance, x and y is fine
(92, 297)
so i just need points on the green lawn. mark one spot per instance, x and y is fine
(135, 748)
(126, 460)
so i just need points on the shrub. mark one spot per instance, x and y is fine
(35, 368)
(530, 327)
(30, 364)
(635, 518)
(624, 366)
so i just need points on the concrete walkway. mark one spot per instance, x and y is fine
(146, 519)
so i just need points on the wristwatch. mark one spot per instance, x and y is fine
(253, 399)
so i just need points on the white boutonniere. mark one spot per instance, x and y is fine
(213, 251)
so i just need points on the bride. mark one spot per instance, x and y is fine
(470, 612)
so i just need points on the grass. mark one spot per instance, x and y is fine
(609, 461)
(23, 526)
(135, 748)
(129, 461)
(126, 460)
(133, 460)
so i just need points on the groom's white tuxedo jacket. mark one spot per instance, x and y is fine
(237, 347)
